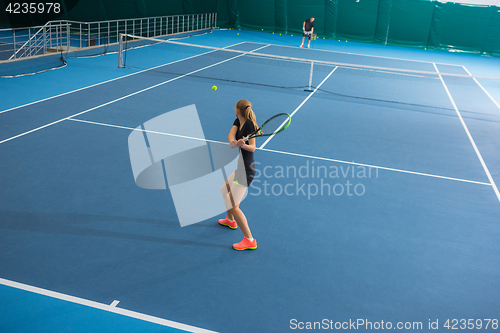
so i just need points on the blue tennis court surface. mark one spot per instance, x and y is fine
(378, 203)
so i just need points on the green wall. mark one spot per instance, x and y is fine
(413, 23)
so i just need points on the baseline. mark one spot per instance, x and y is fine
(293, 154)
(105, 307)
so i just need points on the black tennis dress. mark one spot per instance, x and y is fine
(245, 172)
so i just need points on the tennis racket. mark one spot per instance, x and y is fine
(272, 126)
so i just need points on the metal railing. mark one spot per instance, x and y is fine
(51, 36)
(72, 35)
(85, 34)
(32, 41)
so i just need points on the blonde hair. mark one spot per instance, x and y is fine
(245, 108)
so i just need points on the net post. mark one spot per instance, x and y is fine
(120, 51)
(310, 77)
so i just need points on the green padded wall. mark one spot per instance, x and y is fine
(280, 17)
(257, 17)
(461, 27)
(414, 23)
(357, 20)
(410, 23)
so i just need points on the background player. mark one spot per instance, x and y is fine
(308, 28)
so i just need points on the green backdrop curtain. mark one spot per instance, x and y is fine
(413, 23)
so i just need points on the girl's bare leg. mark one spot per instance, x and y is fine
(226, 194)
(241, 220)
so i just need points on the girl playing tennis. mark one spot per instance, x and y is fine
(237, 183)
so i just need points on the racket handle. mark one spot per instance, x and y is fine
(246, 139)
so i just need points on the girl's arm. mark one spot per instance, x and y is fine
(232, 142)
(250, 146)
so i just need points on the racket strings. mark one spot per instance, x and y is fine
(275, 125)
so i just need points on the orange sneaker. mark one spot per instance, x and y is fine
(227, 223)
(245, 244)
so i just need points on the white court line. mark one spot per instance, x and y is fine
(123, 97)
(298, 107)
(104, 307)
(485, 91)
(146, 131)
(292, 154)
(376, 167)
(366, 55)
(390, 72)
(492, 182)
(117, 78)
(114, 303)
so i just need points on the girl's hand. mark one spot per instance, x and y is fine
(240, 142)
(233, 144)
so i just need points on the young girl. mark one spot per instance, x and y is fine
(237, 183)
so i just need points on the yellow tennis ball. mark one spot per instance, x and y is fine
(292, 35)
(238, 34)
(214, 88)
(425, 49)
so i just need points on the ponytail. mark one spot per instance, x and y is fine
(246, 108)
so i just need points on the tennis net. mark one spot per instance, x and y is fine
(334, 75)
